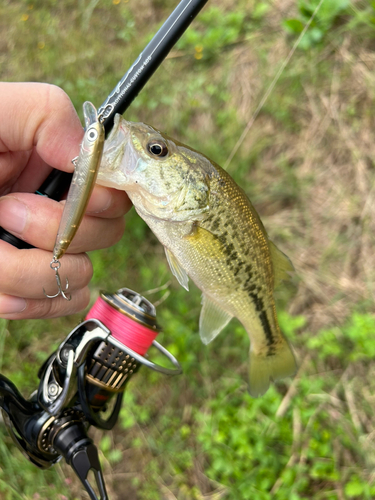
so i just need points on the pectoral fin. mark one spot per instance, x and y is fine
(212, 320)
(176, 269)
(282, 265)
(204, 241)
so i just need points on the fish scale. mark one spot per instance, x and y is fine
(237, 239)
(211, 234)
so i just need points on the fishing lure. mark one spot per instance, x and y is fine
(85, 173)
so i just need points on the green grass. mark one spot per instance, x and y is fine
(307, 163)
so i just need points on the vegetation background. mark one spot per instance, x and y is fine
(307, 163)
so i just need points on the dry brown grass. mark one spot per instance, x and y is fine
(328, 230)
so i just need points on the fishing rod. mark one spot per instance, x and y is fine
(124, 93)
(83, 382)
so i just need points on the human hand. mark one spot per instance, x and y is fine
(40, 130)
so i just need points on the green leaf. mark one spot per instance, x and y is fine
(105, 444)
(260, 10)
(354, 488)
(294, 26)
(114, 456)
(316, 34)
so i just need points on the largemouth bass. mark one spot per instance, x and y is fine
(211, 233)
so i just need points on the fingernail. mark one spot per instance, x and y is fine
(13, 215)
(10, 304)
(100, 200)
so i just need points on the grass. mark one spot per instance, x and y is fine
(307, 163)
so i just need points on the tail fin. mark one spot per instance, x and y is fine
(265, 368)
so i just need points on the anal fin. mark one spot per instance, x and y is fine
(212, 320)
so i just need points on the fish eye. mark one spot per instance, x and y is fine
(157, 148)
(92, 135)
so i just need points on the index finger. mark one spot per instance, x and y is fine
(39, 116)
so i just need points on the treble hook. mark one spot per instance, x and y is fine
(55, 265)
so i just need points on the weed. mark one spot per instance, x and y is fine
(307, 164)
(329, 13)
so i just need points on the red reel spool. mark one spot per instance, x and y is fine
(130, 317)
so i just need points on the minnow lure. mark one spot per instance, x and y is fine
(85, 173)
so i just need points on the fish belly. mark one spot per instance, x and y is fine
(236, 285)
(241, 287)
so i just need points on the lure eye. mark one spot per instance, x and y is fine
(157, 148)
(92, 135)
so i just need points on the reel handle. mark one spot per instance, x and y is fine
(82, 456)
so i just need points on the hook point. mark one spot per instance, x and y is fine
(55, 265)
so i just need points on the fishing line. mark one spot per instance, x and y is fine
(123, 328)
(271, 87)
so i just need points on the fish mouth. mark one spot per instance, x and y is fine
(115, 152)
(119, 134)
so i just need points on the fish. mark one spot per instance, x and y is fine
(211, 234)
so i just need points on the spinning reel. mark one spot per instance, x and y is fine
(82, 384)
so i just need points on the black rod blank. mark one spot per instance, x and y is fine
(149, 60)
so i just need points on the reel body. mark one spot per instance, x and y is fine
(82, 384)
